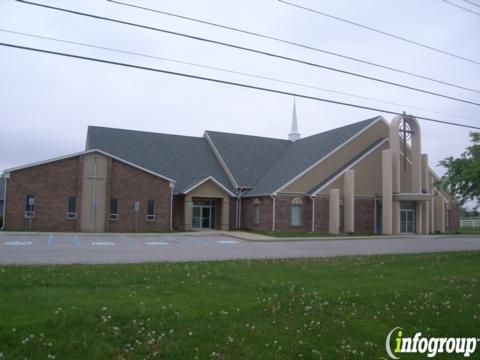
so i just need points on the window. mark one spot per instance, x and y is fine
(297, 212)
(256, 212)
(256, 215)
(72, 207)
(113, 209)
(448, 217)
(150, 210)
(29, 206)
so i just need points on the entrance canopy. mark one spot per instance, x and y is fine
(207, 205)
(412, 197)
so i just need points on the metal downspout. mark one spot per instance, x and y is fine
(313, 212)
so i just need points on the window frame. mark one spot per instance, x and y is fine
(297, 205)
(71, 215)
(151, 216)
(448, 214)
(113, 216)
(256, 214)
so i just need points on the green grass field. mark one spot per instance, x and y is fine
(338, 308)
(469, 231)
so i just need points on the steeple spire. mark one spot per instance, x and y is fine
(294, 134)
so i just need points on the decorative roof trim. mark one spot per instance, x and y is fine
(209, 178)
(379, 119)
(86, 153)
(220, 160)
(315, 192)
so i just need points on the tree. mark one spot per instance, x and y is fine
(462, 178)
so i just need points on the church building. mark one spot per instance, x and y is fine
(367, 177)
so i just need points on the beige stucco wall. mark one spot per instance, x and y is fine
(368, 175)
(326, 167)
(94, 164)
(208, 189)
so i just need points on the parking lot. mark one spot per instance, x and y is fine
(117, 248)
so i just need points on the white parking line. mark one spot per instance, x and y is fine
(226, 242)
(150, 243)
(103, 243)
(18, 243)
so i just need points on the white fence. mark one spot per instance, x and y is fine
(470, 223)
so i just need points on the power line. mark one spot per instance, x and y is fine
(250, 50)
(231, 71)
(294, 44)
(381, 32)
(471, 3)
(461, 7)
(63, 54)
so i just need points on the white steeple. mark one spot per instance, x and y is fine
(294, 134)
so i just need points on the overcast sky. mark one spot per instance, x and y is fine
(47, 102)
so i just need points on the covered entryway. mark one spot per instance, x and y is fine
(207, 205)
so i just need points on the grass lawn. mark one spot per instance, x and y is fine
(469, 231)
(338, 308)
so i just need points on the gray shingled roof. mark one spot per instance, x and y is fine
(264, 164)
(248, 157)
(2, 189)
(184, 159)
(302, 154)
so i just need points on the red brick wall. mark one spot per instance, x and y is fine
(233, 213)
(454, 217)
(178, 212)
(51, 184)
(363, 214)
(247, 214)
(129, 184)
(321, 213)
(364, 220)
(283, 213)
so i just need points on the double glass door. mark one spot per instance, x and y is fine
(203, 214)
(407, 221)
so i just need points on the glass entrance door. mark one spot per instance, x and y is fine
(203, 214)
(407, 221)
(407, 217)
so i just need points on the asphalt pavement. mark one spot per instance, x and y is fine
(25, 248)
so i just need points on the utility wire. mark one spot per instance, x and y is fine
(462, 7)
(294, 44)
(471, 3)
(247, 86)
(249, 50)
(381, 32)
(232, 72)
